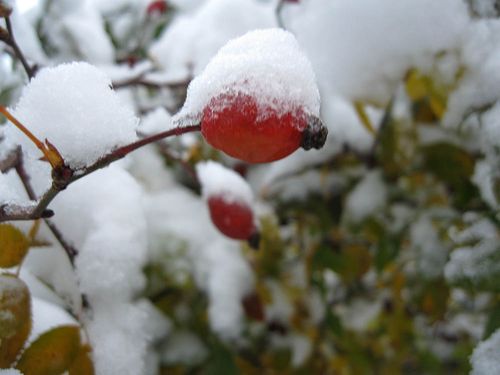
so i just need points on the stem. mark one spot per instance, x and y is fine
(25, 179)
(125, 150)
(10, 161)
(279, 17)
(22, 128)
(62, 176)
(19, 54)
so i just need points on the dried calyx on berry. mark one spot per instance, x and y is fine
(314, 135)
(230, 201)
(257, 100)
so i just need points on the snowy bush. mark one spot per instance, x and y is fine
(249, 186)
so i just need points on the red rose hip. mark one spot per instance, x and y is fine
(234, 219)
(237, 125)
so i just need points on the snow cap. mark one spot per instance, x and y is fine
(266, 64)
(217, 180)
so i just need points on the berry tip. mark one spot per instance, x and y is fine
(314, 136)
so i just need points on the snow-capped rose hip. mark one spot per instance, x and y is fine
(229, 200)
(234, 219)
(236, 124)
(257, 99)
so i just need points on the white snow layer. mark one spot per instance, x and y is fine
(217, 180)
(73, 106)
(485, 359)
(189, 43)
(268, 65)
(363, 48)
(217, 264)
(103, 217)
(368, 196)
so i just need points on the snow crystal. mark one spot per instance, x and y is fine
(118, 339)
(218, 266)
(73, 106)
(8, 194)
(358, 315)
(369, 195)
(473, 263)
(280, 308)
(479, 86)
(226, 286)
(265, 64)
(102, 216)
(192, 39)
(77, 29)
(431, 254)
(483, 178)
(26, 36)
(485, 359)
(156, 121)
(51, 264)
(124, 72)
(217, 180)
(363, 48)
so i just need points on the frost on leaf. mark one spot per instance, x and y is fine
(476, 266)
(74, 108)
(15, 318)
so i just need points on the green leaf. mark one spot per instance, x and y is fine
(52, 353)
(221, 361)
(454, 166)
(493, 322)
(15, 318)
(13, 246)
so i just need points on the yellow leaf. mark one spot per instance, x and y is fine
(13, 246)
(417, 85)
(15, 318)
(82, 365)
(52, 353)
(363, 116)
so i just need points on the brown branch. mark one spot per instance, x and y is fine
(15, 212)
(140, 80)
(11, 41)
(10, 161)
(25, 179)
(62, 176)
(188, 168)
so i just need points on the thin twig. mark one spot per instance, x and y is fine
(188, 168)
(63, 176)
(10, 161)
(140, 80)
(25, 179)
(11, 41)
(278, 12)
